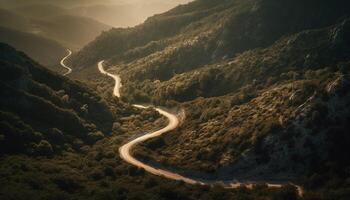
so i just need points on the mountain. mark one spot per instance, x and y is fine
(113, 15)
(71, 31)
(218, 25)
(264, 86)
(14, 21)
(54, 22)
(40, 10)
(124, 14)
(59, 139)
(44, 50)
(48, 107)
(68, 28)
(49, 126)
(42, 32)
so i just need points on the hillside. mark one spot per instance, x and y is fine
(263, 84)
(217, 29)
(65, 106)
(59, 139)
(46, 51)
(282, 93)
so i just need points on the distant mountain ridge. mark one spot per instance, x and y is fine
(48, 52)
(45, 31)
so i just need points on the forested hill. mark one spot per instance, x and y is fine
(43, 113)
(264, 85)
(221, 28)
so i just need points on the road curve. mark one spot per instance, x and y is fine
(64, 65)
(118, 85)
(125, 150)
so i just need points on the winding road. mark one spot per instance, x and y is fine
(117, 85)
(125, 150)
(64, 65)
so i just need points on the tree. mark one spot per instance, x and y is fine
(95, 136)
(44, 148)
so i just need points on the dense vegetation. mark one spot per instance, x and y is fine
(59, 140)
(264, 85)
(39, 107)
(213, 30)
(262, 88)
(284, 112)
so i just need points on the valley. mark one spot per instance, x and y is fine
(226, 99)
(125, 150)
(80, 155)
(248, 112)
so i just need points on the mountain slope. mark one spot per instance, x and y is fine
(46, 51)
(263, 87)
(57, 141)
(294, 83)
(14, 21)
(219, 29)
(65, 107)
